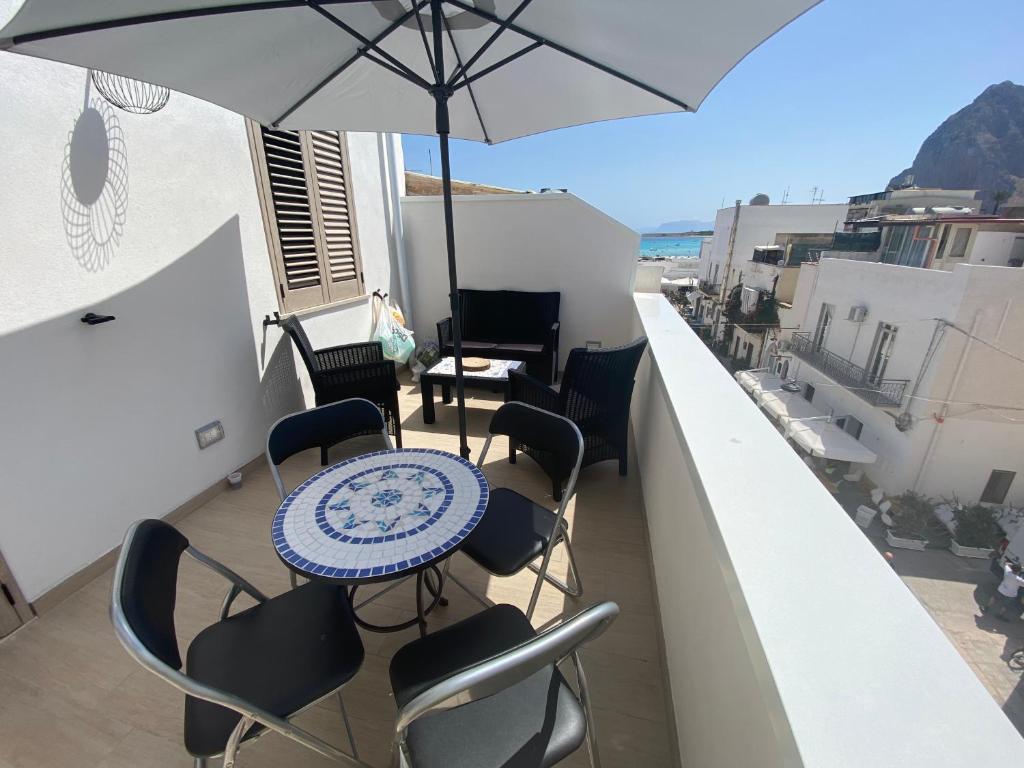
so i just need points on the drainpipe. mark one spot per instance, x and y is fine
(397, 231)
(728, 257)
(944, 410)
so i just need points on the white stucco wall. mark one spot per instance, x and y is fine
(98, 421)
(992, 248)
(548, 242)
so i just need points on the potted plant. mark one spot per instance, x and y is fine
(975, 531)
(913, 521)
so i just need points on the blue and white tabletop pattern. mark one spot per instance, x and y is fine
(380, 513)
(498, 369)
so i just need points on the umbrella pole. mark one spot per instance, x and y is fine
(441, 93)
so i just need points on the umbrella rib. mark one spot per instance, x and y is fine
(350, 61)
(150, 18)
(498, 65)
(426, 45)
(463, 68)
(572, 54)
(472, 96)
(409, 73)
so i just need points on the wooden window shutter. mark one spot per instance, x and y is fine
(307, 210)
(336, 215)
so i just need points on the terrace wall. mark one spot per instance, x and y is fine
(789, 641)
(153, 219)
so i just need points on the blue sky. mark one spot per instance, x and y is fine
(842, 99)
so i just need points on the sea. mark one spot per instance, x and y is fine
(670, 247)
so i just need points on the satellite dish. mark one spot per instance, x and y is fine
(760, 199)
(904, 421)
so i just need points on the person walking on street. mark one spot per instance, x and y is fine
(1006, 592)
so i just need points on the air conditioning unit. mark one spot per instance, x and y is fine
(858, 313)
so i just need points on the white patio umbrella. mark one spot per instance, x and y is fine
(487, 70)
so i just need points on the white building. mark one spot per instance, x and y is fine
(925, 366)
(760, 246)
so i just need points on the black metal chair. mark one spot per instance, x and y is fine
(247, 673)
(487, 692)
(597, 386)
(514, 531)
(350, 370)
(320, 428)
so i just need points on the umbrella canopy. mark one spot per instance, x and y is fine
(488, 70)
(758, 383)
(786, 406)
(367, 65)
(827, 441)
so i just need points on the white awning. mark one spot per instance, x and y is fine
(786, 406)
(758, 382)
(827, 441)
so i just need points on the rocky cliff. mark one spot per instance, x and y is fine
(979, 147)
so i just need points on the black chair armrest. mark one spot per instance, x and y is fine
(524, 388)
(444, 333)
(348, 354)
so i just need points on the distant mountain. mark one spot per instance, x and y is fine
(682, 225)
(979, 147)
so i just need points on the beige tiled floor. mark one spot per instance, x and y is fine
(70, 696)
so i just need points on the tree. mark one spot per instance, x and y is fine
(998, 198)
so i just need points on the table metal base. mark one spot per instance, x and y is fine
(425, 578)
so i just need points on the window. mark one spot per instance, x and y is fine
(852, 426)
(959, 247)
(824, 323)
(809, 393)
(881, 351)
(998, 486)
(302, 177)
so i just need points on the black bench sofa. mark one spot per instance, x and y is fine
(508, 325)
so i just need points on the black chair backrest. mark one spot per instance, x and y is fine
(322, 427)
(149, 587)
(555, 435)
(508, 316)
(293, 328)
(595, 380)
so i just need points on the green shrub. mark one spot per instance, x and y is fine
(975, 526)
(912, 516)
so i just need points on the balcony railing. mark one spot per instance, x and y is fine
(877, 392)
(709, 287)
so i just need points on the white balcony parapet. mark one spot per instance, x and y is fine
(789, 640)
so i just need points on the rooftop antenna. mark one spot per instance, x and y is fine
(785, 196)
(817, 195)
(430, 160)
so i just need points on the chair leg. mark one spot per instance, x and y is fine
(323, 456)
(293, 579)
(556, 489)
(511, 452)
(398, 427)
(573, 590)
(581, 680)
(348, 727)
(201, 762)
(231, 750)
(470, 592)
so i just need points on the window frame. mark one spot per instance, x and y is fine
(989, 493)
(326, 293)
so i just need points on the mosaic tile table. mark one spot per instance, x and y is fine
(443, 372)
(379, 517)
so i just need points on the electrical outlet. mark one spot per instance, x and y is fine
(209, 434)
(593, 345)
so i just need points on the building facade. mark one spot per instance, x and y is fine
(924, 366)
